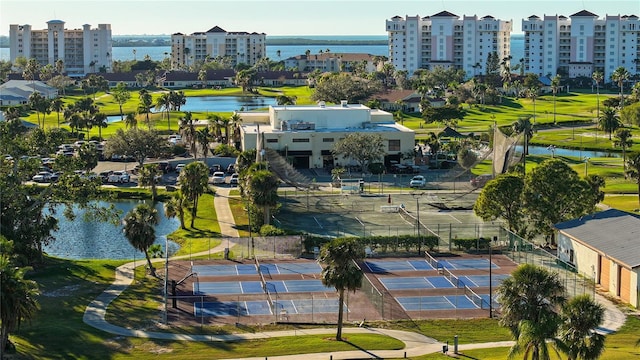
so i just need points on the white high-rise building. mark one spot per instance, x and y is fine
(581, 44)
(239, 47)
(446, 40)
(83, 50)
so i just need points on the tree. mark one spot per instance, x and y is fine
(19, 295)
(553, 193)
(137, 143)
(193, 183)
(341, 270)
(523, 126)
(624, 141)
(447, 114)
(57, 105)
(597, 78)
(144, 107)
(203, 137)
(100, 120)
(337, 87)
(175, 207)
(139, 228)
(40, 104)
(532, 84)
(633, 170)
(555, 85)
(529, 299)
(148, 176)
(130, 121)
(609, 121)
(501, 198)
(581, 317)
(261, 187)
(163, 102)
(245, 78)
(188, 131)
(88, 157)
(631, 113)
(121, 95)
(596, 182)
(466, 157)
(620, 75)
(364, 148)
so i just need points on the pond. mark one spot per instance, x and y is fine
(80, 239)
(226, 103)
(544, 150)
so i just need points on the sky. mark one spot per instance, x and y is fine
(300, 17)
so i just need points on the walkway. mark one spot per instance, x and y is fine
(415, 344)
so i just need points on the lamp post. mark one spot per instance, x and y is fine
(417, 197)
(490, 284)
(166, 277)
(552, 148)
(586, 166)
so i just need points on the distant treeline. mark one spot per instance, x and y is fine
(303, 41)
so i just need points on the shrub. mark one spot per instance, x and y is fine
(270, 230)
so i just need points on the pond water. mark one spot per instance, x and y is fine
(543, 150)
(80, 239)
(226, 103)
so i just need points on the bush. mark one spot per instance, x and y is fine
(270, 230)
(472, 243)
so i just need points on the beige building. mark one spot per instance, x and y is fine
(334, 62)
(605, 246)
(240, 47)
(83, 50)
(306, 134)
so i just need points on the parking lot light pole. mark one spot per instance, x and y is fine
(417, 197)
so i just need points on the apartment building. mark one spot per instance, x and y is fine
(240, 47)
(581, 44)
(82, 51)
(446, 40)
(334, 62)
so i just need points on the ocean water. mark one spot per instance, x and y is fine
(157, 53)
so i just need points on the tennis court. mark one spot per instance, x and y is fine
(448, 302)
(380, 267)
(250, 269)
(412, 283)
(248, 308)
(466, 264)
(255, 287)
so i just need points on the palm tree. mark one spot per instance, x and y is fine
(620, 75)
(163, 102)
(121, 95)
(633, 170)
(598, 77)
(130, 121)
(235, 121)
(609, 121)
(262, 190)
(188, 131)
(19, 298)
(175, 207)
(144, 107)
(581, 316)
(341, 270)
(214, 123)
(100, 120)
(57, 105)
(555, 85)
(193, 183)
(139, 228)
(203, 136)
(529, 299)
(623, 140)
(148, 176)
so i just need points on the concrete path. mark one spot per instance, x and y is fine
(415, 344)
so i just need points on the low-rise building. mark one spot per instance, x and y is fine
(605, 246)
(306, 135)
(334, 62)
(17, 92)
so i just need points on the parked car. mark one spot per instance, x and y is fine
(179, 167)
(174, 139)
(231, 168)
(119, 177)
(105, 175)
(165, 166)
(214, 168)
(42, 176)
(233, 180)
(417, 181)
(480, 180)
(218, 177)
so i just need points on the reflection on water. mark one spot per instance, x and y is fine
(80, 239)
(543, 150)
(226, 103)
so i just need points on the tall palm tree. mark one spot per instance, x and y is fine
(203, 136)
(57, 105)
(341, 271)
(555, 86)
(633, 170)
(579, 340)
(19, 298)
(139, 228)
(623, 140)
(188, 131)
(609, 121)
(620, 75)
(598, 76)
(100, 120)
(262, 190)
(529, 299)
(193, 183)
(148, 176)
(130, 121)
(175, 207)
(235, 122)
(163, 103)
(523, 126)
(144, 107)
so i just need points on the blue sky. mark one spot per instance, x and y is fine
(301, 17)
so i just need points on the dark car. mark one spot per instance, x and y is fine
(231, 168)
(104, 176)
(215, 168)
(165, 167)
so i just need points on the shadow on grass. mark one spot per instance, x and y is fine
(373, 356)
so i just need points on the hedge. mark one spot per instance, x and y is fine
(384, 244)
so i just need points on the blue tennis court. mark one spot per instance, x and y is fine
(410, 283)
(466, 264)
(255, 287)
(449, 302)
(391, 266)
(250, 269)
(482, 280)
(262, 307)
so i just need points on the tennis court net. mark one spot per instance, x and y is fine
(475, 298)
(431, 260)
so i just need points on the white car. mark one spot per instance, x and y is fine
(417, 181)
(119, 177)
(218, 177)
(233, 180)
(179, 167)
(42, 176)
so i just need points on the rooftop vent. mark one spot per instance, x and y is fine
(322, 104)
(343, 103)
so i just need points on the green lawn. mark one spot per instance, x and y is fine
(205, 232)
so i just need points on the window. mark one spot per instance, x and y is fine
(327, 139)
(306, 140)
(272, 140)
(394, 145)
